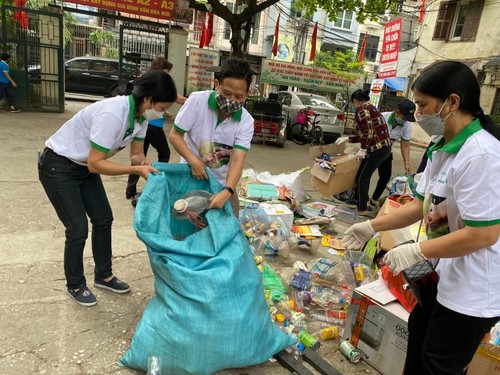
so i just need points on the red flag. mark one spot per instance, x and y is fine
(276, 31)
(421, 12)
(361, 55)
(203, 36)
(210, 29)
(21, 17)
(312, 56)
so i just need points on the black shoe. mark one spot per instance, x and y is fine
(115, 285)
(135, 199)
(129, 193)
(83, 297)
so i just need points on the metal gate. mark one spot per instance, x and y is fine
(35, 40)
(140, 45)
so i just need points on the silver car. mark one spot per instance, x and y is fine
(331, 119)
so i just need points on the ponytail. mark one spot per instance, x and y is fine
(487, 123)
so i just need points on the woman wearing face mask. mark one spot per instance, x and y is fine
(213, 130)
(459, 201)
(373, 134)
(400, 128)
(71, 165)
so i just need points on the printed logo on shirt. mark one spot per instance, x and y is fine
(443, 179)
(214, 155)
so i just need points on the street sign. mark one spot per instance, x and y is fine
(390, 49)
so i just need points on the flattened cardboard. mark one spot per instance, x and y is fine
(344, 177)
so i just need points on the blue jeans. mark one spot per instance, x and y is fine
(75, 194)
(7, 91)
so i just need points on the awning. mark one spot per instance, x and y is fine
(395, 84)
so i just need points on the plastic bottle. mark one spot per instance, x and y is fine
(308, 340)
(331, 332)
(154, 366)
(191, 206)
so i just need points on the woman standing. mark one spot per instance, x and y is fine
(459, 201)
(155, 135)
(71, 165)
(373, 134)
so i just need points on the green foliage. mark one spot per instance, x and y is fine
(369, 9)
(101, 37)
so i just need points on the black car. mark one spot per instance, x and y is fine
(97, 76)
(93, 75)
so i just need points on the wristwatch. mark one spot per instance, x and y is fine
(228, 188)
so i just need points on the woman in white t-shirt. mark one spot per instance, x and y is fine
(459, 201)
(71, 165)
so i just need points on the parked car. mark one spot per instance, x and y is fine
(92, 75)
(331, 119)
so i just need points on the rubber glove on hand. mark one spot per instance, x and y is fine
(341, 140)
(361, 154)
(403, 256)
(357, 235)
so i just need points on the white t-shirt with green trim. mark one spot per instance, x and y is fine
(209, 140)
(398, 132)
(460, 188)
(108, 125)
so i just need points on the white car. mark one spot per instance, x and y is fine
(331, 119)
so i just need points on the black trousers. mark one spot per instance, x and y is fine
(384, 176)
(442, 341)
(155, 137)
(75, 194)
(368, 166)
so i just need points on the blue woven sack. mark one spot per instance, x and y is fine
(209, 311)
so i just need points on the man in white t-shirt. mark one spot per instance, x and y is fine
(400, 128)
(213, 130)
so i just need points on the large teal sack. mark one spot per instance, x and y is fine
(209, 311)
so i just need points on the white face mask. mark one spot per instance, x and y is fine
(433, 124)
(152, 114)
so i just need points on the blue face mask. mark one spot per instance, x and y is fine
(353, 108)
(400, 121)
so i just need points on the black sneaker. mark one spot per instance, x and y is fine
(115, 285)
(14, 109)
(83, 297)
(135, 199)
(129, 193)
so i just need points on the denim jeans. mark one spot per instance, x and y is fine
(75, 194)
(7, 91)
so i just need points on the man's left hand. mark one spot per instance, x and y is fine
(403, 256)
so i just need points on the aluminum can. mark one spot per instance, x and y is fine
(351, 353)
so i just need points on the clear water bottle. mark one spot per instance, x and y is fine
(192, 206)
(154, 365)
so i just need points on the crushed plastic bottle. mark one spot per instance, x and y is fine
(154, 366)
(192, 206)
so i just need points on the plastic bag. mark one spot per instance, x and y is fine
(208, 303)
(291, 180)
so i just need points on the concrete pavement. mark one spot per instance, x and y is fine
(41, 330)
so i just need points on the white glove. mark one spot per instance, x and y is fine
(361, 154)
(403, 256)
(341, 140)
(357, 235)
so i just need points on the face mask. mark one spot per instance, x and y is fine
(353, 108)
(400, 121)
(227, 105)
(152, 114)
(433, 124)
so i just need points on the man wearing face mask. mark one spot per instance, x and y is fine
(213, 130)
(400, 128)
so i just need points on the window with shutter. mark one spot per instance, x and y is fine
(444, 19)
(471, 23)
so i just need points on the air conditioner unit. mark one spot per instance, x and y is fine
(376, 68)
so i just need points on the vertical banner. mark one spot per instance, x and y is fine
(198, 77)
(376, 91)
(390, 49)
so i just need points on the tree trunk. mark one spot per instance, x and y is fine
(238, 48)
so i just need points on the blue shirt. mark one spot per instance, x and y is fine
(158, 122)
(4, 68)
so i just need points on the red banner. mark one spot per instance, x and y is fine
(390, 49)
(175, 10)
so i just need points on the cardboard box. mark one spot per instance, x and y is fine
(392, 238)
(379, 329)
(278, 210)
(331, 149)
(486, 361)
(331, 183)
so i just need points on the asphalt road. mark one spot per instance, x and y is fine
(42, 331)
